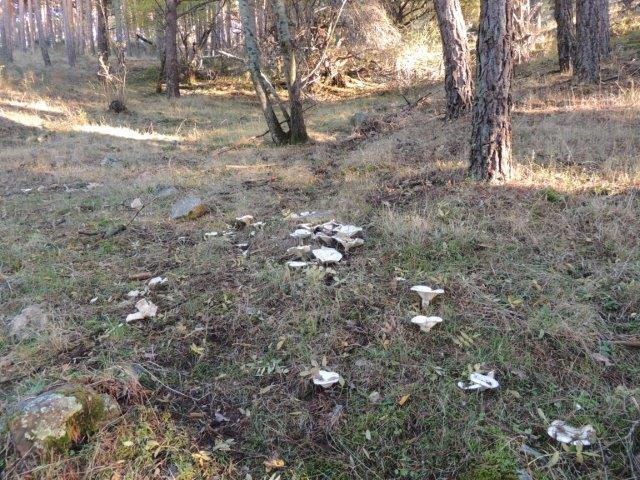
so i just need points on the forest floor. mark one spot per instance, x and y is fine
(541, 278)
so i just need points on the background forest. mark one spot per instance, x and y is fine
(213, 212)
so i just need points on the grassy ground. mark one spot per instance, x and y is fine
(540, 274)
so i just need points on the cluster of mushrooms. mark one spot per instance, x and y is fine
(145, 308)
(478, 381)
(332, 235)
(329, 236)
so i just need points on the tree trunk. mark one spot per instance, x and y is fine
(587, 59)
(458, 82)
(80, 26)
(160, 34)
(565, 33)
(69, 37)
(253, 59)
(7, 30)
(31, 26)
(102, 29)
(116, 6)
(297, 128)
(227, 24)
(491, 131)
(50, 33)
(171, 49)
(88, 10)
(22, 38)
(604, 28)
(42, 40)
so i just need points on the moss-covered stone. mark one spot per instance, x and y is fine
(60, 418)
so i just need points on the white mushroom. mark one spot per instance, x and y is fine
(327, 255)
(137, 204)
(244, 221)
(146, 309)
(211, 234)
(426, 323)
(348, 243)
(426, 293)
(564, 433)
(325, 379)
(301, 234)
(157, 282)
(297, 265)
(300, 251)
(480, 382)
(348, 231)
(328, 228)
(324, 239)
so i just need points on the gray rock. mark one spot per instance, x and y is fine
(60, 418)
(189, 207)
(28, 323)
(110, 162)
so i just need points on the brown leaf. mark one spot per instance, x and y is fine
(274, 464)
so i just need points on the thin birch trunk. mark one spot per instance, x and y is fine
(297, 128)
(253, 56)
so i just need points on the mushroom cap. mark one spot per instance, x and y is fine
(480, 382)
(348, 230)
(347, 242)
(328, 228)
(327, 255)
(564, 433)
(426, 323)
(157, 281)
(324, 238)
(419, 289)
(145, 308)
(426, 293)
(296, 265)
(246, 219)
(301, 233)
(325, 378)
